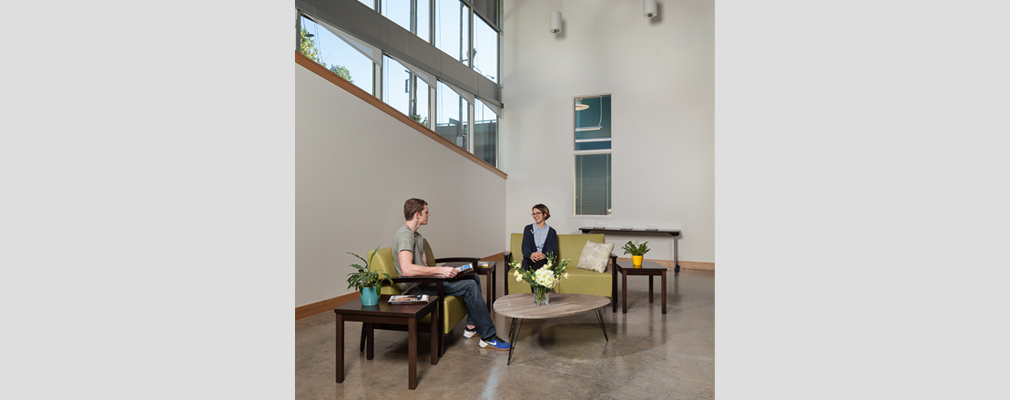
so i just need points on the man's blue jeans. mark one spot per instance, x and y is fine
(468, 288)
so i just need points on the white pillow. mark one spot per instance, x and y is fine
(594, 256)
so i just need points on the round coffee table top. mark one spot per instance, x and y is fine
(561, 305)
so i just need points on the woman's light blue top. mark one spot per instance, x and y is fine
(540, 236)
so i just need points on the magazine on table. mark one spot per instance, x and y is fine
(408, 298)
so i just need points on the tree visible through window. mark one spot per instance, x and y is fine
(455, 113)
(310, 49)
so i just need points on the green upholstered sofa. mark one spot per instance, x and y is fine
(579, 280)
(451, 308)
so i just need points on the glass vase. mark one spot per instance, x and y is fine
(540, 295)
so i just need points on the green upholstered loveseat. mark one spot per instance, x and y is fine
(579, 280)
(451, 309)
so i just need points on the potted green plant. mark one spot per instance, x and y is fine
(636, 251)
(366, 281)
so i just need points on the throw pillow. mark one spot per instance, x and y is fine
(594, 256)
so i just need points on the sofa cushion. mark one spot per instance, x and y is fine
(585, 281)
(595, 256)
(570, 245)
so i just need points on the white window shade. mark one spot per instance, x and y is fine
(365, 49)
(495, 109)
(429, 79)
(462, 93)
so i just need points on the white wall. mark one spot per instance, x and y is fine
(354, 168)
(660, 73)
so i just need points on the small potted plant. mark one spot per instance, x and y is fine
(366, 281)
(637, 252)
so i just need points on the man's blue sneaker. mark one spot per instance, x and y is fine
(495, 342)
(468, 333)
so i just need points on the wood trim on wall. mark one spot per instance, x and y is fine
(324, 73)
(704, 266)
(320, 307)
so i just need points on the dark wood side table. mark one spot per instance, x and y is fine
(487, 268)
(648, 268)
(385, 313)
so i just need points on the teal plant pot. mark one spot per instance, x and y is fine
(369, 296)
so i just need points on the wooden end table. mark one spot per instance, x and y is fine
(487, 269)
(385, 313)
(521, 306)
(649, 268)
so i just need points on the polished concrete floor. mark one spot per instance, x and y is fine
(649, 355)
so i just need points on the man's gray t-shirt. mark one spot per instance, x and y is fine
(404, 239)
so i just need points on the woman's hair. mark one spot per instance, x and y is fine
(543, 209)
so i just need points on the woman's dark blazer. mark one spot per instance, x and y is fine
(530, 246)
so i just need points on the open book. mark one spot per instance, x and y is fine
(408, 298)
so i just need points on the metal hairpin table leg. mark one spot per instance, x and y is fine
(514, 338)
(599, 315)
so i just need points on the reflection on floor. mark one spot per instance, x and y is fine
(649, 356)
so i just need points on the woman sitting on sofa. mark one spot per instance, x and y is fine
(539, 239)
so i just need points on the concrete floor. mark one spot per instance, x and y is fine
(649, 355)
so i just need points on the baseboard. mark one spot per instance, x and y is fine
(319, 307)
(704, 266)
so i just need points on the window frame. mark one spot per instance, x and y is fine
(461, 85)
(576, 153)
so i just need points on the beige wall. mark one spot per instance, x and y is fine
(661, 75)
(355, 166)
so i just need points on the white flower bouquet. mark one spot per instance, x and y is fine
(543, 278)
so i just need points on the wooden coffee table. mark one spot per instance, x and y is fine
(521, 306)
(649, 268)
(385, 313)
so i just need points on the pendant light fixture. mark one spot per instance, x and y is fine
(579, 106)
(650, 8)
(599, 125)
(556, 19)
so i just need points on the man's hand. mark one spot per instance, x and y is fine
(537, 256)
(447, 272)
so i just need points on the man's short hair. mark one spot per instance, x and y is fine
(411, 207)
